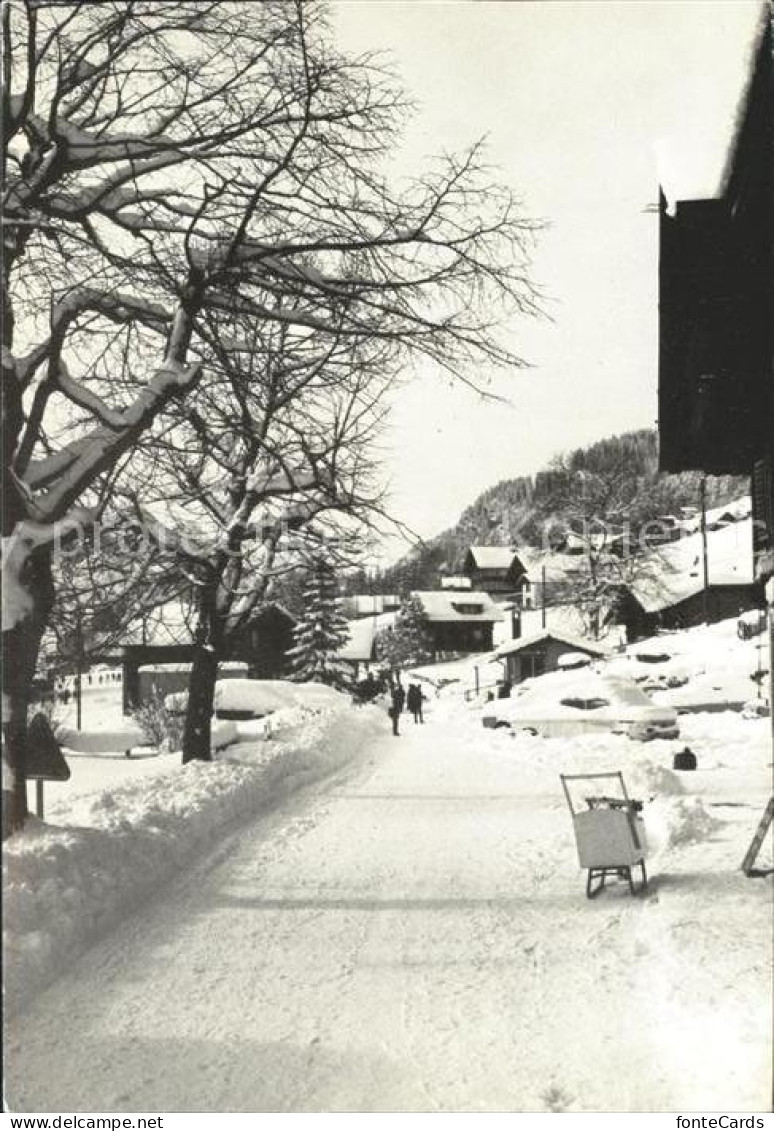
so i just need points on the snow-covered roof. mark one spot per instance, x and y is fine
(573, 642)
(223, 666)
(456, 583)
(735, 511)
(693, 155)
(492, 557)
(445, 605)
(678, 571)
(360, 646)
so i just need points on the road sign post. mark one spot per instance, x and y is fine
(45, 761)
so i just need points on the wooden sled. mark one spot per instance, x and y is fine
(609, 833)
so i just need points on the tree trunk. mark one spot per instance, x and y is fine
(201, 695)
(208, 640)
(20, 648)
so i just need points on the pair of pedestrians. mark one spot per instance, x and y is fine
(399, 698)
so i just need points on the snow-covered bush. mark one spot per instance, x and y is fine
(162, 727)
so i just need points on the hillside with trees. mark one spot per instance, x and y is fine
(518, 511)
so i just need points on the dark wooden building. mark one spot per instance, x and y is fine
(716, 319)
(262, 645)
(718, 602)
(498, 571)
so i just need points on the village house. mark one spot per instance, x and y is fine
(500, 572)
(673, 595)
(460, 622)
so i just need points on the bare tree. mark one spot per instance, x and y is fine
(255, 477)
(109, 582)
(164, 159)
(598, 511)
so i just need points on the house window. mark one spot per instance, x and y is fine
(467, 610)
(532, 666)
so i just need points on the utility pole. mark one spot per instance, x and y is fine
(543, 596)
(704, 560)
(78, 669)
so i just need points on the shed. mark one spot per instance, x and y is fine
(535, 655)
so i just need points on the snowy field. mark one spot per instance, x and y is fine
(410, 932)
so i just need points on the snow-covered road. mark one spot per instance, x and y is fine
(412, 936)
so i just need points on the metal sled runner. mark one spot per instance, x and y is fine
(609, 833)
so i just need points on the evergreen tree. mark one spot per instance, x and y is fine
(408, 641)
(320, 631)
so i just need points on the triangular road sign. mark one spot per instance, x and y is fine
(45, 760)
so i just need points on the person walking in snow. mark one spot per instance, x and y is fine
(398, 698)
(414, 702)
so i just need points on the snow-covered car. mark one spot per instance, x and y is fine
(581, 702)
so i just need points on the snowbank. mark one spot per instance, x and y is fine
(707, 667)
(65, 886)
(654, 778)
(674, 821)
(127, 736)
(99, 740)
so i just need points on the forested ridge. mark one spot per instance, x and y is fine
(514, 511)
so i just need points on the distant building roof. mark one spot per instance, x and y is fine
(469, 606)
(573, 642)
(492, 557)
(456, 583)
(678, 571)
(369, 605)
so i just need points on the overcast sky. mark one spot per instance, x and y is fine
(580, 102)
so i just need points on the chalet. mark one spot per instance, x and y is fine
(498, 571)
(539, 653)
(460, 622)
